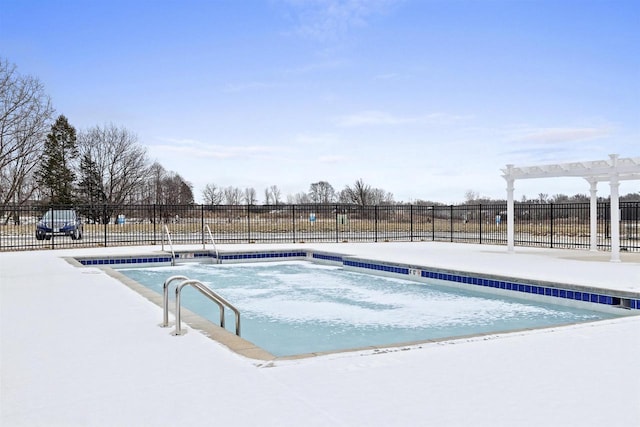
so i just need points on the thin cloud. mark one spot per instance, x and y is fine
(561, 135)
(381, 118)
(332, 159)
(241, 87)
(317, 139)
(369, 118)
(547, 145)
(388, 77)
(187, 147)
(323, 65)
(326, 20)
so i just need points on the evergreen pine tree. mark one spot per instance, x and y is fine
(90, 188)
(55, 174)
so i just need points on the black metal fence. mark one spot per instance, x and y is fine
(563, 225)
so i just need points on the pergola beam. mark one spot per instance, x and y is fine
(624, 167)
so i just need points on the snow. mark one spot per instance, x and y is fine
(80, 349)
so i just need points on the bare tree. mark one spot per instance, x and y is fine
(122, 162)
(471, 196)
(543, 198)
(299, 199)
(321, 192)
(153, 186)
(166, 187)
(359, 194)
(631, 197)
(267, 196)
(176, 191)
(559, 198)
(580, 198)
(232, 196)
(25, 119)
(212, 194)
(380, 197)
(363, 194)
(250, 197)
(275, 194)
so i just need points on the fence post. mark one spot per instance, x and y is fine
(153, 221)
(480, 221)
(336, 211)
(293, 222)
(451, 222)
(551, 224)
(375, 223)
(53, 236)
(433, 222)
(411, 223)
(248, 224)
(104, 222)
(202, 224)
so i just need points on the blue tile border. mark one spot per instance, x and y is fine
(188, 255)
(263, 255)
(128, 260)
(551, 291)
(529, 289)
(327, 257)
(377, 267)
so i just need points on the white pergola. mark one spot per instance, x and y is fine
(614, 170)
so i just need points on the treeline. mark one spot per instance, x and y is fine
(321, 192)
(48, 161)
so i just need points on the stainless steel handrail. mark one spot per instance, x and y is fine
(165, 298)
(165, 302)
(206, 227)
(173, 254)
(209, 294)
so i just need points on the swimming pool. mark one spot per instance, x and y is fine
(299, 307)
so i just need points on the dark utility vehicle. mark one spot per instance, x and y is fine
(60, 223)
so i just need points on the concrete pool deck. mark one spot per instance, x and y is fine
(79, 348)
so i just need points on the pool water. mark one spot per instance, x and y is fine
(298, 307)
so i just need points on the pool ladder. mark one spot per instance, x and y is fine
(215, 249)
(173, 254)
(220, 301)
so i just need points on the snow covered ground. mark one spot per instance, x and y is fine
(78, 348)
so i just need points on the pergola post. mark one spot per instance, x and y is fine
(615, 211)
(593, 216)
(510, 210)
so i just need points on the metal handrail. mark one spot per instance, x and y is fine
(209, 294)
(206, 227)
(165, 302)
(173, 254)
(165, 299)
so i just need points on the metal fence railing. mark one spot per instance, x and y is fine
(558, 225)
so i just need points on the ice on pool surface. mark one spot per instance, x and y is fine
(298, 307)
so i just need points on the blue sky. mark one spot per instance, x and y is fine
(426, 99)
